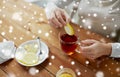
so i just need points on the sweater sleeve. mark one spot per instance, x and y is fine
(50, 7)
(115, 50)
(68, 7)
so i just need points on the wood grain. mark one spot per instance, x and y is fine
(33, 23)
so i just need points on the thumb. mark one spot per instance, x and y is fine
(88, 41)
(85, 49)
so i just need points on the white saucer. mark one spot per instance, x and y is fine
(20, 50)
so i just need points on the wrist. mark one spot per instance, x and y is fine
(109, 49)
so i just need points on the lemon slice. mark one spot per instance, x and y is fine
(29, 59)
(66, 75)
(68, 29)
(31, 48)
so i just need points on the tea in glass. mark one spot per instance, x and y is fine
(68, 43)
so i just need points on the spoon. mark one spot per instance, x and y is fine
(39, 44)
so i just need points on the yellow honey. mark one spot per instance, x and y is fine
(65, 75)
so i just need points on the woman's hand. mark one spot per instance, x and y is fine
(93, 49)
(59, 18)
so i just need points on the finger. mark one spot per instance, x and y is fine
(65, 16)
(91, 59)
(68, 20)
(85, 49)
(52, 24)
(51, 19)
(56, 22)
(88, 53)
(60, 18)
(89, 56)
(88, 41)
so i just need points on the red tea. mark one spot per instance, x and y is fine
(68, 43)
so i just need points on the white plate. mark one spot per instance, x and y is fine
(20, 50)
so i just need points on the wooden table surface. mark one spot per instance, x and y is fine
(21, 21)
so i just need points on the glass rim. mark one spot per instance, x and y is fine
(62, 41)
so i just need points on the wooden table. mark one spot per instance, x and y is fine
(21, 21)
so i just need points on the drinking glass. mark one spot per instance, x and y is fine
(64, 72)
(69, 43)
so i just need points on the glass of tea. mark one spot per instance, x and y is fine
(69, 43)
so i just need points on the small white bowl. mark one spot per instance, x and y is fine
(21, 51)
(66, 70)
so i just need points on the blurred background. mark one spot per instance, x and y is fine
(41, 3)
(60, 3)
